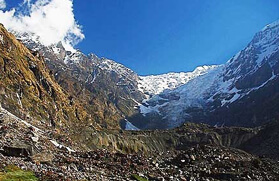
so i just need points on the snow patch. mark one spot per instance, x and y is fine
(19, 100)
(271, 25)
(60, 146)
(130, 126)
(2, 39)
(266, 53)
(56, 50)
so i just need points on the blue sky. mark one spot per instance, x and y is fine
(159, 36)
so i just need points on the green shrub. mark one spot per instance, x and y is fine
(13, 173)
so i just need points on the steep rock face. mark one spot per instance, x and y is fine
(28, 89)
(257, 53)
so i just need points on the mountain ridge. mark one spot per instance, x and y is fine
(180, 97)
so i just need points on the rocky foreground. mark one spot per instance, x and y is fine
(196, 163)
(44, 153)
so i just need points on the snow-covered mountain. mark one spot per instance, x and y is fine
(215, 88)
(167, 100)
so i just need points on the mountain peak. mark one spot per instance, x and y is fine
(156, 84)
(271, 25)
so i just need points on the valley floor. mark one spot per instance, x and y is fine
(196, 163)
(28, 148)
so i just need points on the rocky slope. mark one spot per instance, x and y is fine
(190, 152)
(28, 89)
(104, 87)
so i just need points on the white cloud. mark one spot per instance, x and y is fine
(51, 20)
(2, 4)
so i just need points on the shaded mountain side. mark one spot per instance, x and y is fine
(255, 109)
(266, 142)
(29, 90)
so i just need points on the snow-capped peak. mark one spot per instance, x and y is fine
(112, 66)
(271, 25)
(156, 84)
(32, 40)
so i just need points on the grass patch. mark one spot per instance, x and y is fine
(13, 173)
(138, 178)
